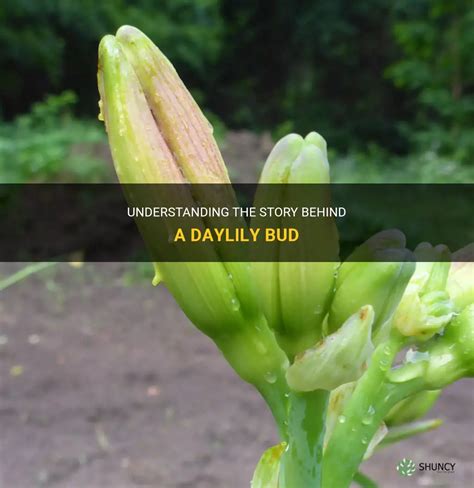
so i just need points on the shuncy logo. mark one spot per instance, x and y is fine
(406, 467)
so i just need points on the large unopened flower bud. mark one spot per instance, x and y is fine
(158, 134)
(337, 359)
(425, 307)
(142, 155)
(460, 284)
(376, 273)
(295, 295)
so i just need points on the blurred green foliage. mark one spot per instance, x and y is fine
(49, 144)
(437, 42)
(389, 84)
(48, 46)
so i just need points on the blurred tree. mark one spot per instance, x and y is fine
(437, 42)
(50, 45)
(305, 65)
(280, 65)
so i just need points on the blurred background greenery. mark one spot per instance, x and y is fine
(389, 84)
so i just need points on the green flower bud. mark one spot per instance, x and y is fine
(295, 295)
(181, 122)
(141, 155)
(188, 135)
(158, 134)
(337, 359)
(451, 356)
(425, 307)
(422, 316)
(381, 281)
(460, 284)
(412, 408)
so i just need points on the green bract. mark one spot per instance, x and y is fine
(337, 359)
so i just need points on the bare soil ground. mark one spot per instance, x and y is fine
(109, 386)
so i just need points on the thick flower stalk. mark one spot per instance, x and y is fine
(319, 340)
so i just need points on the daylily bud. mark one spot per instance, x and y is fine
(181, 122)
(460, 284)
(422, 316)
(451, 356)
(295, 295)
(142, 155)
(412, 408)
(158, 134)
(337, 359)
(425, 307)
(380, 281)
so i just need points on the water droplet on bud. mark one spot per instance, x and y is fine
(369, 416)
(270, 377)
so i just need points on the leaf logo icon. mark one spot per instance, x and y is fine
(406, 467)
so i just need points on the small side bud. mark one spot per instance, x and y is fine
(412, 408)
(451, 356)
(425, 308)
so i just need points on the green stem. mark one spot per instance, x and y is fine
(301, 464)
(361, 418)
(256, 357)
